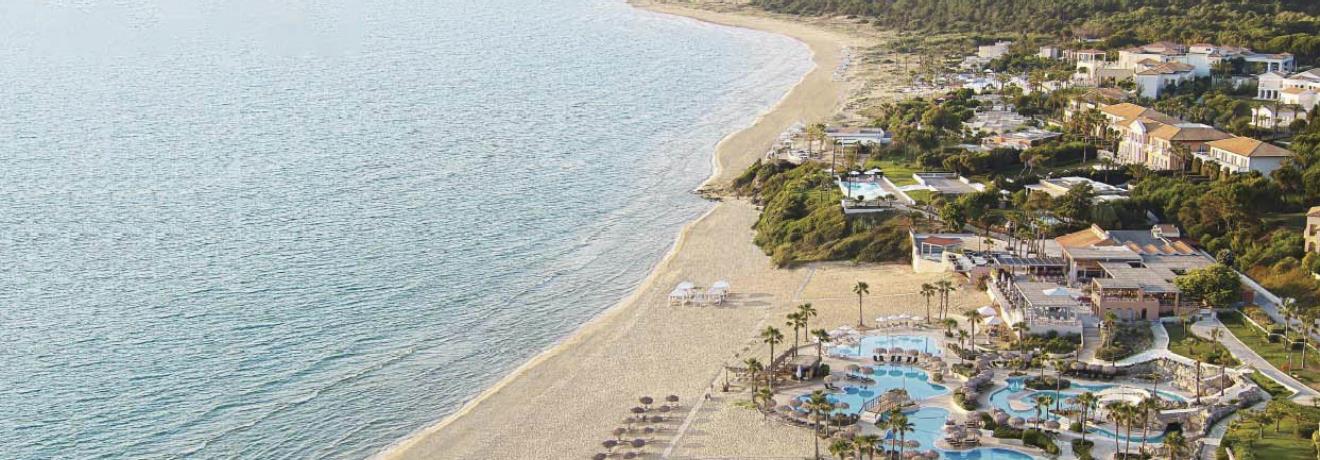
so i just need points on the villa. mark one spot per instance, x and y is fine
(1020, 140)
(1057, 187)
(1270, 117)
(1153, 67)
(1299, 89)
(996, 121)
(1241, 155)
(1131, 272)
(1312, 232)
(857, 135)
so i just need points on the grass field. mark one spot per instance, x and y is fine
(898, 173)
(1259, 342)
(1193, 347)
(1284, 444)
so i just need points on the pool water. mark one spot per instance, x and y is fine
(915, 381)
(999, 399)
(867, 190)
(906, 342)
(928, 423)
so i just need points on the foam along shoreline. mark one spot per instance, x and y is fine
(569, 397)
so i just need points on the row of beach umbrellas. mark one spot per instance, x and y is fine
(641, 416)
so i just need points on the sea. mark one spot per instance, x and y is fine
(309, 228)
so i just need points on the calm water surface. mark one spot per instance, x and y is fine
(306, 229)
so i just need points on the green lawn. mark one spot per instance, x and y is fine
(1284, 444)
(1295, 220)
(1273, 352)
(898, 173)
(1270, 386)
(1193, 347)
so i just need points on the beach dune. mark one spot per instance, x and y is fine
(564, 402)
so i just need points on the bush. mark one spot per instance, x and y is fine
(1075, 427)
(967, 404)
(823, 370)
(1082, 449)
(988, 422)
(1047, 383)
(1007, 432)
(1039, 439)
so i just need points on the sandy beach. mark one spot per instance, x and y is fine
(565, 401)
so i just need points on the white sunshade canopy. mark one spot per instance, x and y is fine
(685, 285)
(1057, 292)
(995, 321)
(873, 171)
(720, 285)
(986, 311)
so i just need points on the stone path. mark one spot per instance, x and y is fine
(1242, 352)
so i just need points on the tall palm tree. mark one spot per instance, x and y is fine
(1147, 405)
(807, 312)
(1176, 444)
(754, 367)
(1108, 323)
(1043, 403)
(819, 405)
(1116, 413)
(841, 448)
(1290, 312)
(1022, 329)
(1087, 401)
(1308, 323)
(902, 427)
(1059, 367)
(1130, 412)
(866, 444)
(974, 317)
(796, 322)
(822, 337)
(861, 289)
(927, 291)
(945, 287)
(772, 337)
(949, 324)
(1215, 335)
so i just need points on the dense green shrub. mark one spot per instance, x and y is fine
(1082, 449)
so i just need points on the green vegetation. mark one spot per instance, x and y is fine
(1082, 448)
(1282, 431)
(1030, 437)
(1270, 386)
(1266, 25)
(1194, 347)
(1276, 353)
(802, 221)
(1129, 338)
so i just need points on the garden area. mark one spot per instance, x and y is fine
(1272, 348)
(1194, 347)
(1128, 338)
(1283, 431)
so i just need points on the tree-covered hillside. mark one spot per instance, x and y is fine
(1265, 25)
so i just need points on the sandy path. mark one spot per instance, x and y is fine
(566, 400)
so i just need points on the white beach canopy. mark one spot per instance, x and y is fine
(995, 321)
(874, 171)
(986, 311)
(1057, 292)
(685, 285)
(720, 285)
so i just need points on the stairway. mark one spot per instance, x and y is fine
(1090, 343)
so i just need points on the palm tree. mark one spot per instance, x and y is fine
(1215, 335)
(822, 337)
(945, 287)
(772, 337)
(841, 448)
(1289, 311)
(1130, 412)
(861, 289)
(866, 444)
(1110, 320)
(796, 322)
(1146, 405)
(1116, 414)
(754, 367)
(1043, 403)
(807, 312)
(1059, 366)
(1308, 323)
(1022, 329)
(962, 336)
(974, 317)
(927, 291)
(902, 427)
(949, 324)
(1176, 444)
(1087, 401)
(818, 404)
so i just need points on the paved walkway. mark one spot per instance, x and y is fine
(1159, 348)
(1249, 357)
(1090, 343)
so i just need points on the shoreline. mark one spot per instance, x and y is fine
(814, 97)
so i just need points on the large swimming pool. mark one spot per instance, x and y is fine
(866, 190)
(868, 343)
(857, 394)
(929, 425)
(1000, 399)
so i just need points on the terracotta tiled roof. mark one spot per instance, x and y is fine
(1188, 133)
(1248, 147)
(941, 241)
(1083, 238)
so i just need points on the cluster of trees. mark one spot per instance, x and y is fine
(1266, 25)
(801, 220)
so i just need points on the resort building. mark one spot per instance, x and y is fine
(1165, 142)
(857, 135)
(1094, 99)
(1057, 187)
(1153, 67)
(1312, 232)
(1019, 140)
(1043, 306)
(1241, 155)
(1131, 272)
(997, 50)
(1299, 89)
(995, 122)
(1271, 117)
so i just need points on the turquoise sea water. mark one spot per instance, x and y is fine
(242, 229)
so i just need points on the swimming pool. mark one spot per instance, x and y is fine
(1000, 399)
(866, 190)
(928, 424)
(857, 394)
(906, 342)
